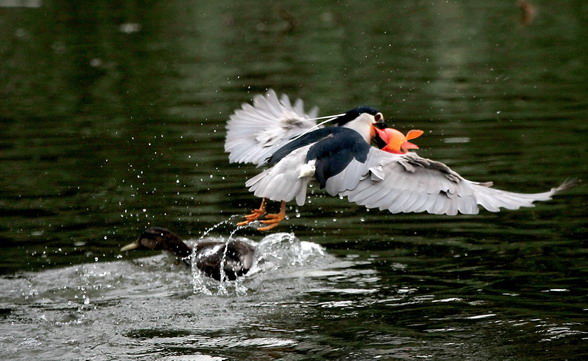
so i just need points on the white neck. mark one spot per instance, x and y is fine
(362, 125)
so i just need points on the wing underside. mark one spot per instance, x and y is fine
(255, 131)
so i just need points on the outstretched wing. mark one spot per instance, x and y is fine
(408, 183)
(255, 131)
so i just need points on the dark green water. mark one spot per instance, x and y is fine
(112, 119)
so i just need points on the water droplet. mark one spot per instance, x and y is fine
(129, 28)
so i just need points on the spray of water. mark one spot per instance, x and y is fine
(277, 252)
(203, 284)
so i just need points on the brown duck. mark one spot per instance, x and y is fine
(234, 257)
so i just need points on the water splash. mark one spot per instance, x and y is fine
(275, 252)
(203, 284)
(283, 250)
(227, 221)
(223, 275)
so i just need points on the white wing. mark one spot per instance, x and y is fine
(409, 183)
(255, 131)
(285, 181)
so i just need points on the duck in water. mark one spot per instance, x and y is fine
(235, 258)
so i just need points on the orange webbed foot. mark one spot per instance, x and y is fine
(254, 215)
(273, 219)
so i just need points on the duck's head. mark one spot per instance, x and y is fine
(155, 238)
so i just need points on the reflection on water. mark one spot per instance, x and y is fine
(112, 118)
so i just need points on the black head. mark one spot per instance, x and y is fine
(155, 238)
(356, 112)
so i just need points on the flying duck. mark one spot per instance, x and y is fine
(279, 135)
(234, 257)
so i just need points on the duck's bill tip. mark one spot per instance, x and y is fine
(130, 247)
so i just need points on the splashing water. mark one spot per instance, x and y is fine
(283, 250)
(198, 278)
(227, 221)
(203, 284)
(274, 253)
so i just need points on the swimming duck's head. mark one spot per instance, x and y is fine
(155, 238)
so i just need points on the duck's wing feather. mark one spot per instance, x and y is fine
(408, 183)
(240, 256)
(255, 131)
(235, 258)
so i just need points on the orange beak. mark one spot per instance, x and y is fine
(396, 142)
